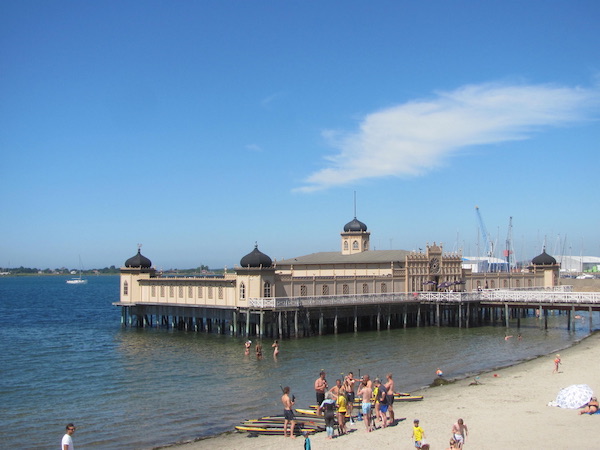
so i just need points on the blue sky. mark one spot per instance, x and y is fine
(198, 128)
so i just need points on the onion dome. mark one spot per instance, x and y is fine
(355, 225)
(543, 260)
(256, 258)
(138, 261)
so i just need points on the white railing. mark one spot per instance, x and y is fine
(516, 296)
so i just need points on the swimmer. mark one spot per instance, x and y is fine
(439, 372)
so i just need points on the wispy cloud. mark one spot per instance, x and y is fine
(254, 148)
(412, 138)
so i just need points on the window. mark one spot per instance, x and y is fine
(365, 288)
(220, 292)
(518, 283)
(345, 245)
(210, 292)
(125, 288)
(303, 290)
(383, 288)
(190, 291)
(162, 291)
(505, 283)
(267, 289)
(180, 291)
(325, 289)
(153, 291)
(355, 245)
(345, 289)
(200, 291)
(242, 291)
(492, 284)
(171, 291)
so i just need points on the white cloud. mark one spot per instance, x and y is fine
(417, 136)
(254, 148)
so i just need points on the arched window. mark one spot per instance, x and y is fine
(125, 288)
(190, 291)
(345, 245)
(505, 283)
(355, 245)
(171, 291)
(303, 290)
(242, 291)
(180, 291)
(220, 292)
(383, 288)
(199, 291)
(162, 291)
(345, 289)
(365, 288)
(325, 289)
(267, 289)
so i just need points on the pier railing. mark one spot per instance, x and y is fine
(499, 295)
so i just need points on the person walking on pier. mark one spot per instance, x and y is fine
(320, 387)
(288, 414)
(67, 440)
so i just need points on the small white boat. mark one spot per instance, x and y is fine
(78, 280)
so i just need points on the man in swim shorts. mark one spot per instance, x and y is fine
(288, 414)
(382, 402)
(366, 392)
(460, 432)
(389, 387)
(320, 387)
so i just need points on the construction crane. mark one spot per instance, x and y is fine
(509, 245)
(487, 239)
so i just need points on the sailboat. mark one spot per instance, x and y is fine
(78, 280)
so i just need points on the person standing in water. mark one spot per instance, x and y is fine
(275, 349)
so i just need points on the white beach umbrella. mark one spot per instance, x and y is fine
(574, 396)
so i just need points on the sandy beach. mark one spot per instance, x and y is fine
(508, 409)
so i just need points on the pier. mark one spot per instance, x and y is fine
(289, 317)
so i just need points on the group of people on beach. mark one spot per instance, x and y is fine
(376, 405)
(377, 400)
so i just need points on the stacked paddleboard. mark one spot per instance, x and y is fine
(307, 420)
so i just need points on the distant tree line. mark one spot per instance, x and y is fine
(112, 270)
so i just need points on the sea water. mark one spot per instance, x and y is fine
(66, 358)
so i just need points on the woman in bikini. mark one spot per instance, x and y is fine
(591, 407)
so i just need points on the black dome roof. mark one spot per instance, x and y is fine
(355, 225)
(256, 258)
(543, 260)
(138, 260)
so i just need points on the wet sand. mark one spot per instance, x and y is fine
(508, 409)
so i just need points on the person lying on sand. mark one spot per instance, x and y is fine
(591, 407)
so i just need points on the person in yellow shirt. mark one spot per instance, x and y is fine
(419, 436)
(342, 405)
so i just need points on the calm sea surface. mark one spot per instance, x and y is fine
(66, 358)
